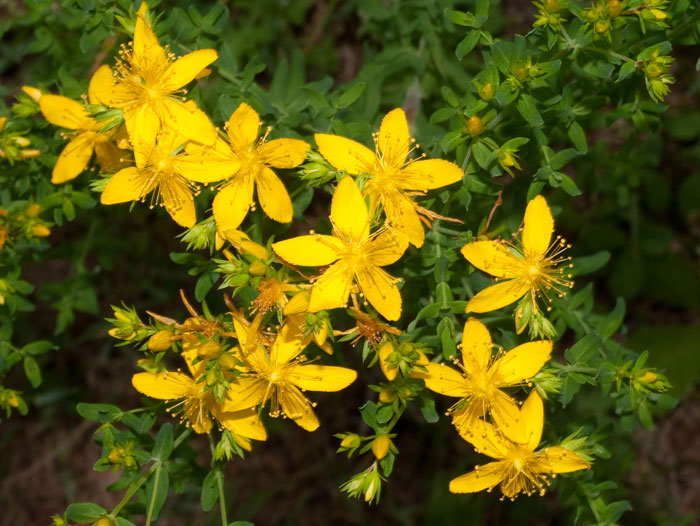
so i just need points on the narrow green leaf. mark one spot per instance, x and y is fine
(164, 443)
(528, 109)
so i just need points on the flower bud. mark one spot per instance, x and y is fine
(104, 521)
(209, 349)
(653, 70)
(647, 378)
(386, 396)
(614, 8)
(41, 231)
(32, 92)
(552, 6)
(33, 210)
(380, 446)
(21, 141)
(372, 486)
(351, 441)
(602, 26)
(3, 121)
(28, 154)
(475, 125)
(160, 341)
(257, 268)
(487, 92)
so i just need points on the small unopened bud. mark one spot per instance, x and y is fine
(475, 125)
(3, 121)
(32, 92)
(647, 378)
(33, 210)
(211, 378)
(602, 26)
(104, 521)
(257, 268)
(653, 70)
(387, 396)
(487, 92)
(351, 441)
(659, 14)
(41, 231)
(22, 141)
(209, 349)
(160, 341)
(614, 8)
(380, 446)
(28, 154)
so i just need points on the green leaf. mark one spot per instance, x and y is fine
(210, 491)
(84, 512)
(32, 371)
(38, 347)
(241, 523)
(562, 158)
(467, 44)
(385, 414)
(610, 323)
(459, 17)
(578, 137)
(584, 349)
(350, 95)
(589, 264)
(204, 285)
(102, 413)
(528, 109)
(157, 491)
(427, 409)
(626, 70)
(164, 443)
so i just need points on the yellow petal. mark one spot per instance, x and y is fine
(142, 124)
(380, 289)
(189, 121)
(394, 138)
(483, 477)
(493, 257)
(538, 228)
(163, 386)
(232, 202)
(243, 127)
(428, 174)
(110, 157)
(244, 393)
(345, 154)
(442, 379)
(147, 52)
(558, 459)
(290, 341)
(74, 158)
(498, 296)
(65, 112)
(322, 377)
(532, 418)
(332, 289)
(476, 346)
(245, 423)
(284, 153)
(523, 362)
(273, 196)
(387, 248)
(486, 440)
(101, 84)
(307, 421)
(190, 351)
(309, 251)
(401, 214)
(298, 304)
(383, 353)
(119, 95)
(204, 168)
(179, 202)
(125, 185)
(349, 212)
(507, 419)
(186, 68)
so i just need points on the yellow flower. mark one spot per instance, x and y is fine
(394, 179)
(355, 254)
(171, 175)
(257, 157)
(479, 383)
(280, 375)
(528, 267)
(197, 403)
(518, 467)
(148, 87)
(67, 113)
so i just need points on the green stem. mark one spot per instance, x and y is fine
(152, 504)
(609, 52)
(394, 420)
(219, 485)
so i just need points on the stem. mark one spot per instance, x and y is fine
(151, 505)
(395, 419)
(609, 52)
(219, 485)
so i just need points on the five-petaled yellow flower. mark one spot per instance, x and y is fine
(280, 375)
(67, 113)
(354, 255)
(256, 155)
(148, 87)
(518, 467)
(483, 376)
(528, 267)
(169, 172)
(198, 403)
(394, 179)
